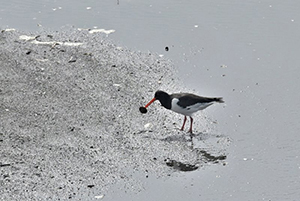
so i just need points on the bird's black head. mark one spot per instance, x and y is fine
(160, 95)
(164, 98)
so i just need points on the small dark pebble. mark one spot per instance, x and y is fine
(90, 186)
(28, 52)
(143, 110)
(167, 48)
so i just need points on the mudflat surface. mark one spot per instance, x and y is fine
(246, 52)
(70, 125)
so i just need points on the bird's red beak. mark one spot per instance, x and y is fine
(150, 102)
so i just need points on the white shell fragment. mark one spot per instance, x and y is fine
(148, 125)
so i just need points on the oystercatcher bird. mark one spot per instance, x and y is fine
(182, 103)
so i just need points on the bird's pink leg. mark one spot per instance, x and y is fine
(191, 127)
(183, 123)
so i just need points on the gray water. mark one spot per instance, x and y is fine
(244, 51)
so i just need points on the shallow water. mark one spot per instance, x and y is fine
(246, 52)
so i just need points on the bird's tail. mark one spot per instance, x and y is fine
(219, 100)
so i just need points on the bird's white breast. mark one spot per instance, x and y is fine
(189, 110)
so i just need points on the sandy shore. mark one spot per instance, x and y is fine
(69, 122)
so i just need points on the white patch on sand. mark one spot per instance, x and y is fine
(52, 43)
(102, 31)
